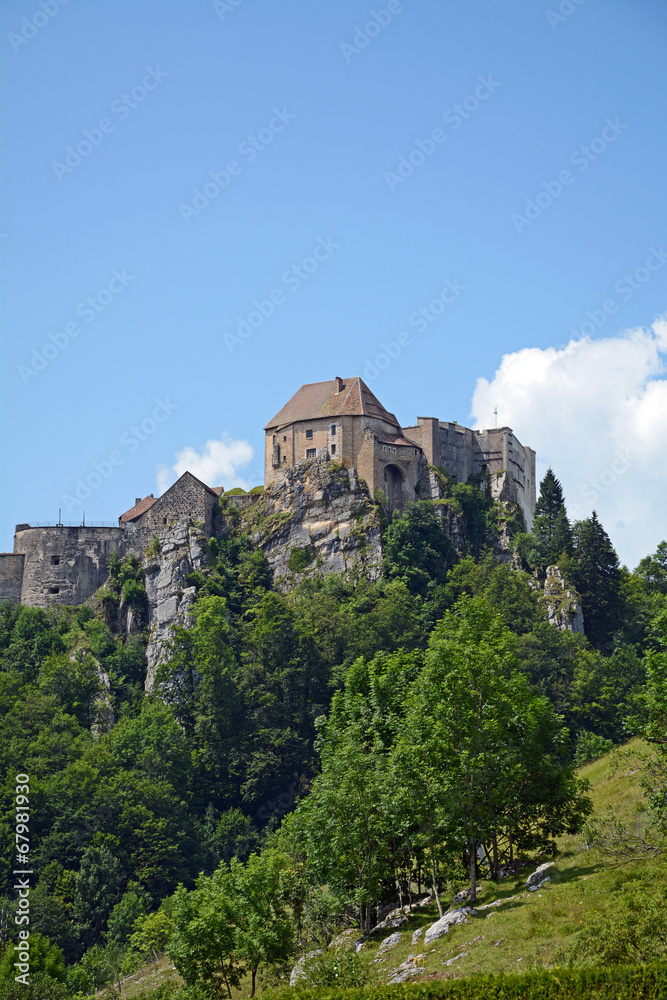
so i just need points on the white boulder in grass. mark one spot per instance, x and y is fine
(390, 942)
(538, 875)
(440, 927)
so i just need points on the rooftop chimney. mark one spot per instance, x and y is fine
(339, 383)
(137, 500)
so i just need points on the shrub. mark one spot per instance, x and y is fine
(590, 746)
(153, 548)
(134, 594)
(340, 968)
(300, 557)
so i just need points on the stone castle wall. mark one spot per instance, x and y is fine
(61, 565)
(11, 576)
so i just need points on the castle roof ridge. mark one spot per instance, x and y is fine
(323, 399)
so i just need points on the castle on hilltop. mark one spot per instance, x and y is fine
(340, 420)
(345, 421)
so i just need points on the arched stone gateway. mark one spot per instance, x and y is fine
(393, 487)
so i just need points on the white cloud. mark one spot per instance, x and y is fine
(596, 411)
(216, 464)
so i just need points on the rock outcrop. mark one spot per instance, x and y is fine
(562, 603)
(318, 518)
(182, 549)
(440, 927)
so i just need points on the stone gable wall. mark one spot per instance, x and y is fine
(188, 499)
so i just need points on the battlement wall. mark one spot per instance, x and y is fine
(63, 565)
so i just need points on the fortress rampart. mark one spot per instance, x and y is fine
(58, 564)
(339, 420)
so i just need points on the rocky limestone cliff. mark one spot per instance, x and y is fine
(562, 603)
(182, 549)
(318, 518)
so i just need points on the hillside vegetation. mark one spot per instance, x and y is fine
(529, 930)
(311, 760)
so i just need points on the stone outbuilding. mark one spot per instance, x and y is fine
(188, 499)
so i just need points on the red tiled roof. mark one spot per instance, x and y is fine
(400, 440)
(322, 399)
(139, 508)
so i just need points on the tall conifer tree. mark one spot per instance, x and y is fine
(596, 575)
(551, 528)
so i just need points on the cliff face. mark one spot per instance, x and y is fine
(182, 549)
(562, 604)
(317, 519)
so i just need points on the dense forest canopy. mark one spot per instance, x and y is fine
(306, 755)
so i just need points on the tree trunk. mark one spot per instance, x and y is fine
(494, 842)
(473, 872)
(254, 975)
(433, 878)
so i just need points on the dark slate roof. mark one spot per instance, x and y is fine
(323, 399)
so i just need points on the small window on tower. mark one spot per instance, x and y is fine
(333, 429)
(309, 434)
(333, 449)
(55, 560)
(54, 590)
(310, 452)
(284, 437)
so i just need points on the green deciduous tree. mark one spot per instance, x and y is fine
(495, 750)
(233, 917)
(417, 549)
(44, 957)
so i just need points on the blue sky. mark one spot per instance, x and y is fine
(172, 166)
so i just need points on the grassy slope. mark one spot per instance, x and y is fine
(529, 931)
(522, 933)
